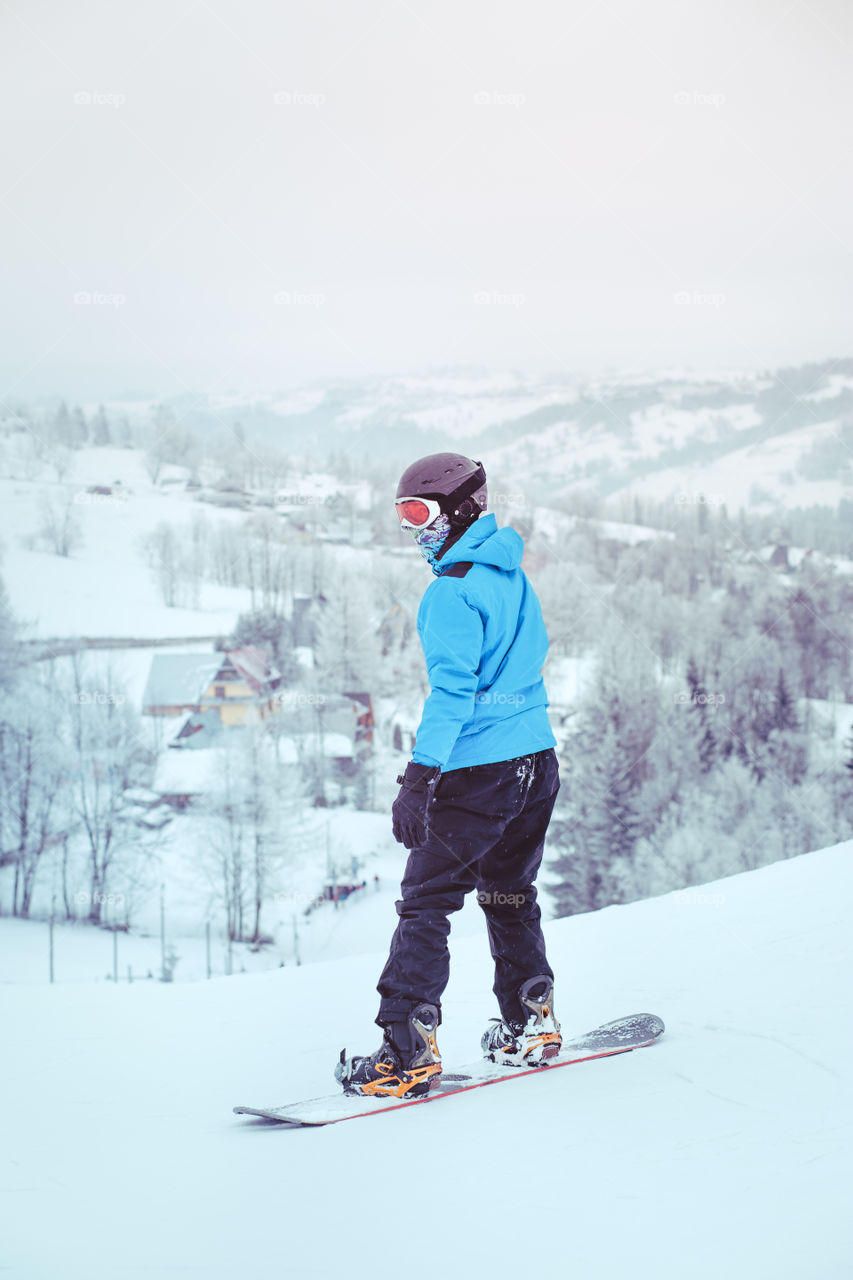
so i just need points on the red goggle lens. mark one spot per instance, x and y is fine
(415, 512)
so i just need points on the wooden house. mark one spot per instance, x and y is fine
(240, 685)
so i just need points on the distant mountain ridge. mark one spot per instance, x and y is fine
(781, 432)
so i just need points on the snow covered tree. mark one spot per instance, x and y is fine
(168, 442)
(164, 556)
(347, 645)
(268, 563)
(101, 428)
(63, 429)
(62, 461)
(24, 456)
(175, 557)
(254, 825)
(79, 427)
(126, 435)
(260, 802)
(819, 613)
(9, 642)
(699, 704)
(106, 756)
(785, 717)
(59, 523)
(599, 818)
(31, 770)
(275, 633)
(573, 601)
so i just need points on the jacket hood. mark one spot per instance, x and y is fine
(485, 543)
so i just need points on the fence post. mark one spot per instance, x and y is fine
(50, 934)
(163, 932)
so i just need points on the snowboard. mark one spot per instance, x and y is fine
(619, 1036)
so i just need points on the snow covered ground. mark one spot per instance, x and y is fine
(105, 587)
(722, 1151)
(751, 477)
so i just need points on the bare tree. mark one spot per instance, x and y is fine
(62, 461)
(225, 848)
(107, 756)
(176, 562)
(168, 442)
(60, 525)
(254, 825)
(268, 564)
(31, 768)
(101, 427)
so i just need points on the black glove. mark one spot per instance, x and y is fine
(409, 810)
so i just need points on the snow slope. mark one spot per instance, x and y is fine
(105, 586)
(741, 476)
(719, 1152)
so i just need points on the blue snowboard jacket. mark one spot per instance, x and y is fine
(484, 642)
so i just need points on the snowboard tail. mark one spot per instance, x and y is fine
(620, 1036)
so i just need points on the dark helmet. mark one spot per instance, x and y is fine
(457, 483)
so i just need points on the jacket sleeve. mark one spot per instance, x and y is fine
(451, 632)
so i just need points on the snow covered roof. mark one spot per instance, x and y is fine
(179, 679)
(252, 661)
(198, 730)
(180, 772)
(337, 746)
(140, 795)
(183, 772)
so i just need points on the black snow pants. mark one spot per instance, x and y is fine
(486, 831)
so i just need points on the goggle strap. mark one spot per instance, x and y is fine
(469, 486)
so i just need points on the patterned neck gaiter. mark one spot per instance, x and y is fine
(431, 539)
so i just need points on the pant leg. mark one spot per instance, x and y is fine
(464, 822)
(505, 888)
(486, 829)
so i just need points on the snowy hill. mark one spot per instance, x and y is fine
(744, 438)
(105, 587)
(723, 1150)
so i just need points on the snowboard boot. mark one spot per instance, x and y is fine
(402, 1066)
(531, 1043)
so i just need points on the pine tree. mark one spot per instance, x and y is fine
(79, 427)
(785, 711)
(694, 681)
(599, 820)
(62, 426)
(596, 827)
(699, 707)
(707, 749)
(101, 427)
(9, 637)
(126, 436)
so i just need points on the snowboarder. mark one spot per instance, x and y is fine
(476, 798)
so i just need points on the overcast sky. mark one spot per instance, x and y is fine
(257, 194)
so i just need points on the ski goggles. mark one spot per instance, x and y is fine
(417, 513)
